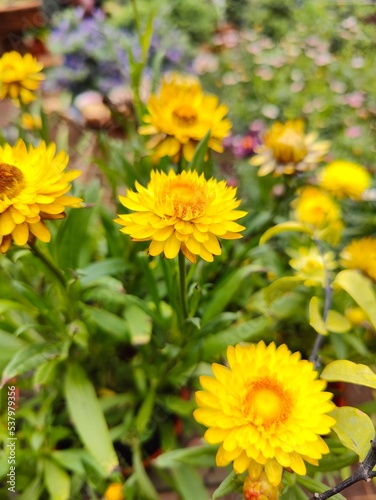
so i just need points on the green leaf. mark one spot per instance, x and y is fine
(29, 358)
(139, 325)
(144, 414)
(354, 429)
(343, 370)
(212, 345)
(188, 482)
(146, 488)
(10, 344)
(316, 486)
(283, 227)
(280, 287)
(88, 419)
(227, 289)
(9, 305)
(360, 289)
(110, 323)
(57, 481)
(198, 158)
(336, 322)
(228, 485)
(96, 270)
(315, 317)
(201, 456)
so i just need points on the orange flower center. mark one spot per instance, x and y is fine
(11, 181)
(184, 199)
(288, 145)
(184, 116)
(267, 403)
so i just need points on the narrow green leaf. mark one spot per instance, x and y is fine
(228, 485)
(343, 370)
(110, 323)
(280, 287)
(139, 325)
(354, 429)
(316, 486)
(57, 481)
(198, 158)
(29, 358)
(145, 413)
(10, 344)
(201, 456)
(10, 305)
(217, 343)
(96, 270)
(188, 482)
(360, 289)
(88, 419)
(283, 227)
(146, 488)
(227, 289)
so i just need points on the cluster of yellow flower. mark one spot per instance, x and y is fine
(263, 420)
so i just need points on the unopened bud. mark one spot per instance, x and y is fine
(260, 489)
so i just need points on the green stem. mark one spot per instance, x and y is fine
(183, 286)
(136, 18)
(49, 264)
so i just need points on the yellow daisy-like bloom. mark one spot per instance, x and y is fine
(316, 208)
(114, 492)
(31, 122)
(311, 266)
(182, 212)
(266, 409)
(361, 255)
(33, 187)
(345, 179)
(20, 76)
(286, 149)
(180, 116)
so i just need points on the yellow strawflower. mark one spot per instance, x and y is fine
(20, 77)
(181, 115)
(267, 411)
(317, 209)
(182, 212)
(33, 187)
(361, 255)
(287, 149)
(114, 492)
(311, 266)
(345, 179)
(31, 122)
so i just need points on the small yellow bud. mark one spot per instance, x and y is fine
(114, 492)
(260, 489)
(355, 315)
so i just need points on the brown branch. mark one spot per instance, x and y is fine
(364, 472)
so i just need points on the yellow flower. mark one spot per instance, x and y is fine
(260, 489)
(32, 189)
(20, 76)
(345, 179)
(311, 266)
(114, 492)
(361, 255)
(286, 149)
(318, 210)
(31, 122)
(267, 411)
(182, 212)
(181, 115)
